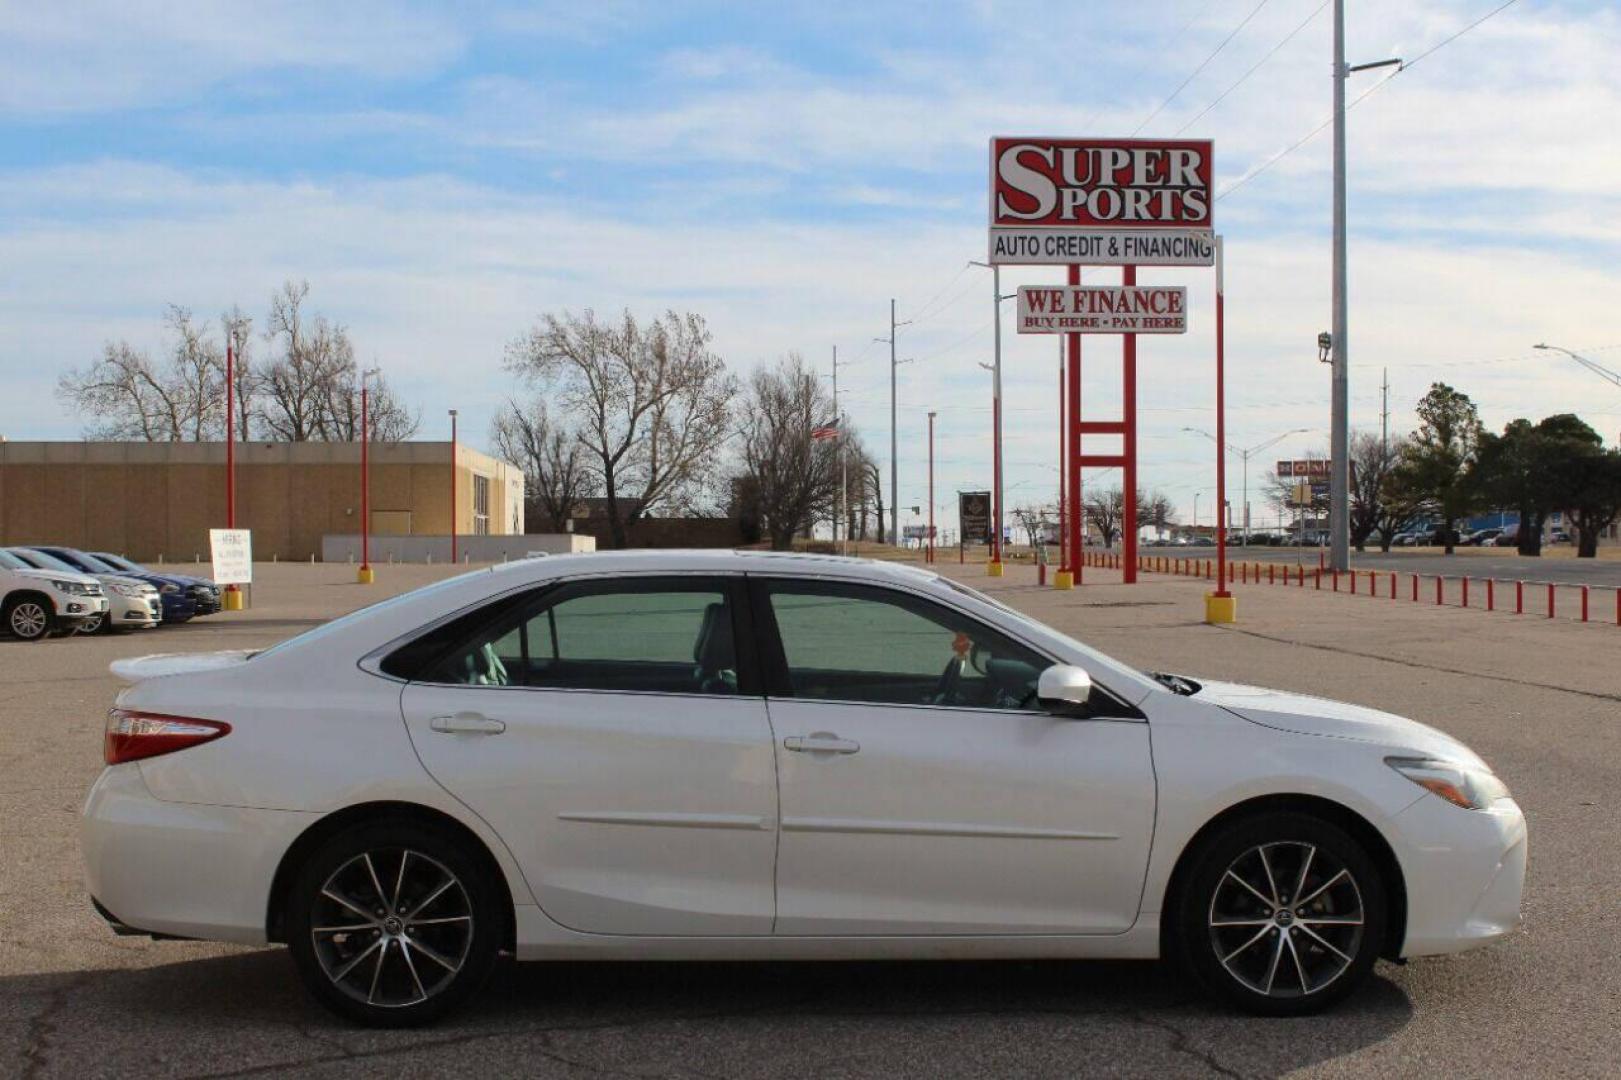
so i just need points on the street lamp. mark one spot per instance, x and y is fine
(1591, 365)
(994, 569)
(366, 576)
(453, 487)
(1245, 455)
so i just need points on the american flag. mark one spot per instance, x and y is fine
(823, 432)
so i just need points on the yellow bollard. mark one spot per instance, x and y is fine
(232, 599)
(1220, 609)
(366, 575)
(993, 568)
(1064, 579)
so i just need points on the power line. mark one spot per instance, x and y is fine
(1290, 36)
(921, 312)
(1256, 10)
(1314, 132)
(1142, 71)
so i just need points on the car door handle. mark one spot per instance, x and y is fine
(467, 723)
(821, 742)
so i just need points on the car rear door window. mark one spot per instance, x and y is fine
(861, 643)
(666, 635)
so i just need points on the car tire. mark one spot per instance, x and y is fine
(392, 924)
(1280, 957)
(28, 618)
(100, 624)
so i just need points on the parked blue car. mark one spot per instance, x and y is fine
(178, 602)
(203, 592)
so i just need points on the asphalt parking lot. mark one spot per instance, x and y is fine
(1539, 700)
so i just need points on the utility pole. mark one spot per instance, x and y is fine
(1339, 476)
(930, 554)
(844, 478)
(1339, 481)
(1384, 416)
(894, 457)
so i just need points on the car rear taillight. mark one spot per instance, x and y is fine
(133, 735)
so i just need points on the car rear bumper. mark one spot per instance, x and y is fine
(181, 869)
(1465, 872)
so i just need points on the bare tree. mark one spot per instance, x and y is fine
(126, 395)
(1035, 521)
(549, 455)
(795, 477)
(310, 392)
(652, 404)
(1106, 510)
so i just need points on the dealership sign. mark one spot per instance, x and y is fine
(1314, 469)
(1142, 202)
(231, 551)
(974, 516)
(1074, 309)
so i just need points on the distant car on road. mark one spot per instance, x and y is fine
(702, 755)
(37, 603)
(1509, 537)
(1481, 537)
(203, 593)
(132, 604)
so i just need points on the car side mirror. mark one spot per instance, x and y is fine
(1063, 689)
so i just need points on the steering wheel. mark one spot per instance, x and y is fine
(947, 690)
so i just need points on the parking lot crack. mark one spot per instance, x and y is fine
(1182, 1043)
(41, 1027)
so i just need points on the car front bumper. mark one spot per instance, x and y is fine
(1464, 870)
(134, 611)
(181, 869)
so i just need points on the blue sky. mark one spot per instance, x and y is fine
(443, 174)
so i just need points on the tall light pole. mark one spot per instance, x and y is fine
(994, 569)
(232, 600)
(453, 487)
(894, 452)
(1339, 480)
(1244, 454)
(366, 576)
(930, 557)
(1591, 365)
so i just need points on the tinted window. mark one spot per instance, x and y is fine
(855, 643)
(651, 635)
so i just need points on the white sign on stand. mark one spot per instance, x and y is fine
(232, 553)
(1127, 309)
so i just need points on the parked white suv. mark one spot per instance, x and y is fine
(35, 603)
(132, 603)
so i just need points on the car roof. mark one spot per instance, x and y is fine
(722, 560)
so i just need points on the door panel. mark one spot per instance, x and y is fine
(609, 734)
(919, 792)
(960, 822)
(629, 813)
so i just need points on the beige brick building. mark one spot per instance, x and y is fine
(148, 500)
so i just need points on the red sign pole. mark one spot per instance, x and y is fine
(1219, 606)
(365, 490)
(1061, 577)
(1072, 446)
(1128, 405)
(232, 600)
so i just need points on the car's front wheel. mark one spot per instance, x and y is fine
(392, 925)
(1282, 914)
(29, 618)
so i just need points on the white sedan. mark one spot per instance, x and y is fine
(711, 755)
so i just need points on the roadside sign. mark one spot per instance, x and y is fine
(1109, 202)
(974, 513)
(1074, 309)
(232, 553)
(1314, 469)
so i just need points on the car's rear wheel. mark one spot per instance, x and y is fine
(28, 618)
(392, 925)
(1281, 915)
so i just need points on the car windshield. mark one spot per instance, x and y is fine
(95, 565)
(119, 563)
(11, 562)
(42, 561)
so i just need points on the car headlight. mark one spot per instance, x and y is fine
(66, 586)
(167, 588)
(1460, 785)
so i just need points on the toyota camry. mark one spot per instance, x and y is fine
(716, 755)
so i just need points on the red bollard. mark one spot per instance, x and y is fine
(1322, 561)
(1041, 573)
(1271, 573)
(1550, 599)
(1415, 588)
(1300, 579)
(1584, 603)
(1439, 593)
(1519, 598)
(1336, 580)
(1466, 591)
(1317, 578)
(1353, 582)
(1393, 584)
(1491, 598)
